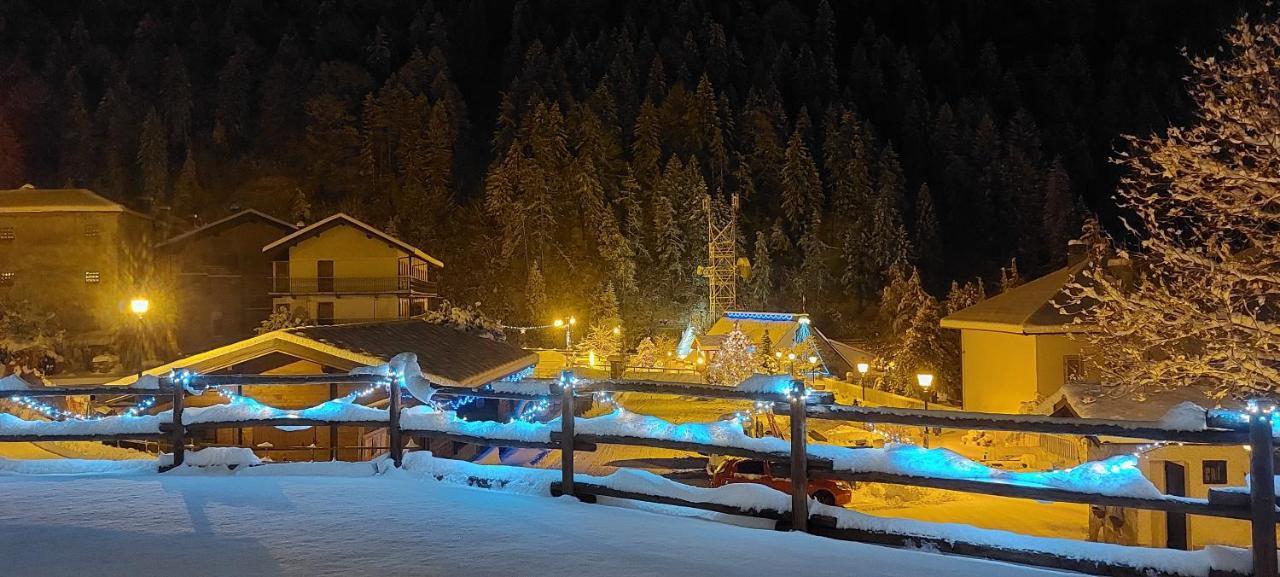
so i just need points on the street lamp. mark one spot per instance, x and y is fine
(925, 381)
(813, 369)
(791, 369)
(862, 379)
(139, 307)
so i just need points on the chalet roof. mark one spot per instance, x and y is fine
(1026, 309)
(340, 219)
(447, 356)
(242, 216)
(36, 200)
(781, 327)
(1094, 401)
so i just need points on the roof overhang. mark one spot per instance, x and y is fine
(303, 348)
(333, 220)
(1017, 329)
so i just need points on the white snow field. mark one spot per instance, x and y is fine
(341, 519)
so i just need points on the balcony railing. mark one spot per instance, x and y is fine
(352, 285)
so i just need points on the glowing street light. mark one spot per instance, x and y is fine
(557, 323)
(139, 306)
(925, 380)
(862, 379)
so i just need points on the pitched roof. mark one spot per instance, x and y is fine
(35, 200)
(1094, 401)
(228, 221)
(1025, 309)
(780, 326)
(339, 219)
(448, 356)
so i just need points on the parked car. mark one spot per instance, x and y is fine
(778, 476)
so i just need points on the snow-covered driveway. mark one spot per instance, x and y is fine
(393, 525)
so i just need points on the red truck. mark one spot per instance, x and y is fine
(777, 476)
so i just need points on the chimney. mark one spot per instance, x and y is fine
(1076, 252)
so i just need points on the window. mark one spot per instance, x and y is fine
(1072, 369)
(1215, 472)
(751, 468)
(91, 230)
(92, 277)
(6, 278)
(6, 233)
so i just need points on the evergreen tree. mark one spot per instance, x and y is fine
(153, 159)
(1062, 216)
(760, 285)
(927, 238)
(646, 354)
(1009, 277)
(300, 209)
(734, 362)
(188, 195)
(801, 187)
(766, 362)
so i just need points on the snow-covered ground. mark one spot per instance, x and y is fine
(318, 520)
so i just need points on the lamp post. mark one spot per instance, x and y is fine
(862, 379)
(925, 380)
(791, 370)
(139, 307)
(813, 370)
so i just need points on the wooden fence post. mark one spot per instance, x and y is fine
(393, 424)
(178, 436)
(566, 432)
(1262, 494)
(799, 460)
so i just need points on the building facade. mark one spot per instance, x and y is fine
(221, 278)
(341, 270)
(78, 255)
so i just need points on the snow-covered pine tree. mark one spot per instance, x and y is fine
(1199, 303)
(766, 362)
(646, 354)
(283, 318)
(734, 362)
(760, 286)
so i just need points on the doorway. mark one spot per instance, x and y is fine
(324, 276)
(1175, 483)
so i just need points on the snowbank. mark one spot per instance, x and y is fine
(76, 467)
(1117, 476)
(11, 425)
(775, 384)
(246, 409)
(215, 457)
(427, 418)
(1185, 416)
(14, 383)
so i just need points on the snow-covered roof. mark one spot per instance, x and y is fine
(230, 220)
(341, 218)
(1026, 309)
(36, 200)
(781, 328)
(1095, 401)
(447, 356)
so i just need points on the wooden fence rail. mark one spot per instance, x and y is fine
(800, 406)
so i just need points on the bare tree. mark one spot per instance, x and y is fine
(1198, 302)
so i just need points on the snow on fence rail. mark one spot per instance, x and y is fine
(889, 465)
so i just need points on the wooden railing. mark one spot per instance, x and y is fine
(1257, 505)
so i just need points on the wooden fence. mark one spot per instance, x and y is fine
(1258, 505)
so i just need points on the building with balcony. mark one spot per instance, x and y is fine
(221, 278)
(76, 255)
(341, 270)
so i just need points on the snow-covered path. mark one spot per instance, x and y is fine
(392, 525)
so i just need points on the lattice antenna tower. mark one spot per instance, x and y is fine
(722, 260)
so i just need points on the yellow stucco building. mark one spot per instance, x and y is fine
(1016, 347)
(340, 269)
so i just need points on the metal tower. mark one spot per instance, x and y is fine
(722, 260)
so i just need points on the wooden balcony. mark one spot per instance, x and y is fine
(404, 285)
